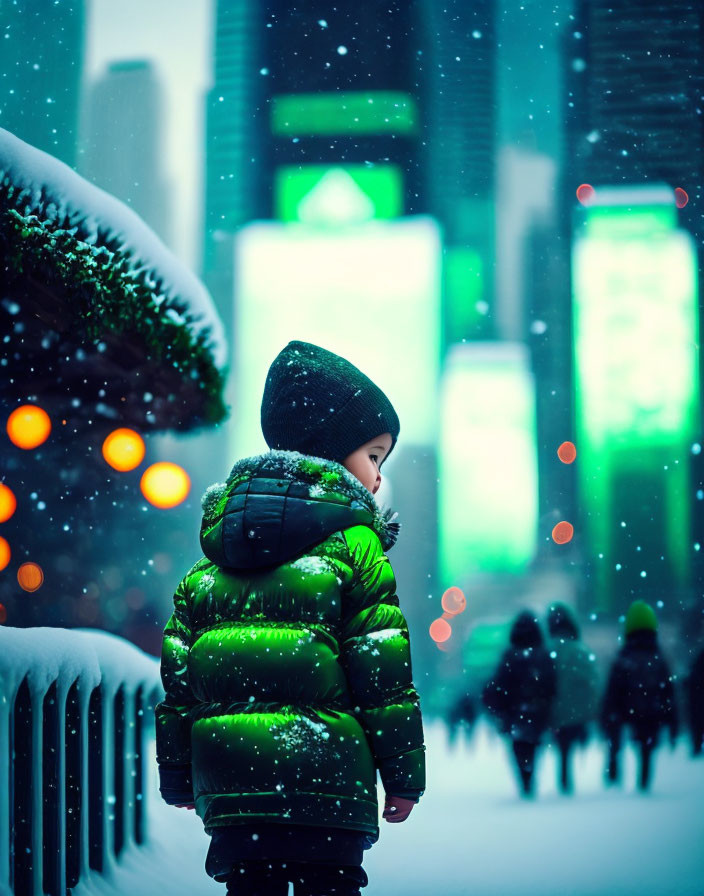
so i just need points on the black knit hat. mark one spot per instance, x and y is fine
(318, 403)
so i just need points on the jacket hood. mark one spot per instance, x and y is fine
(525, 631)
(276, 505)
(561, 622)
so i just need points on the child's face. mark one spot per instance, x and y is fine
(364, 463)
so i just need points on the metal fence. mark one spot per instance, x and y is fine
(76, 711)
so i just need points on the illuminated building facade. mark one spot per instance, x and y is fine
(634, 78)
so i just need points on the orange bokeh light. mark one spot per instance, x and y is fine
(5, 553)
(30, 576)
(28, 426)
(124, 449)
(567, 452)
(585, 193)
(681, 197)
(3, 614)
(440, 630)
(453, 601)
(8, 503)
(165, 484)
(562, 532)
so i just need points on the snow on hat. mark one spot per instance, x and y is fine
(317, 402)
(640, 616)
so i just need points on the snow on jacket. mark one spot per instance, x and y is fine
(639, 691)
(286, 662)
(577, 696)
(521, 690)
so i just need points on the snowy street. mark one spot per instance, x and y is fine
(471, 834)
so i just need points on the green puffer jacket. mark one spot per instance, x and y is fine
(286, 662)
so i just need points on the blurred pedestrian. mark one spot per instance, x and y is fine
(639, 694)
(577, 689)
(462, 714)
(520, 695)
(695, 703)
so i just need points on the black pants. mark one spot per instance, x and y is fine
(566, 738)
(524, 753)
(647, 741)
(271, 878)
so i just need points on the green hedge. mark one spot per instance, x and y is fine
(104, 293)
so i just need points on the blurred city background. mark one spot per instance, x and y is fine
(493, 208)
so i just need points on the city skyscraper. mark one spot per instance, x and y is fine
(407, 109)
(634, 79)
(235, 112)
(461, 114)
(341, 93)
(297, 92)
(40, 73)
(121, 133)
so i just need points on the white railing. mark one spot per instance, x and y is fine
(76, 712)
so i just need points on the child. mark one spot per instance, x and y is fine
(520, 695)
(286, 662)
(577, 696)
(639, 693)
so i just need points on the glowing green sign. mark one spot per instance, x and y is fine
(349, 192)
(608, 222)
(635, 325)
(465, 305)
(488, 496)
(328, 114)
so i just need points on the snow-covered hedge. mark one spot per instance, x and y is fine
(102, 271)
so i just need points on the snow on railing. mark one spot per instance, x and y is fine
(75, 709)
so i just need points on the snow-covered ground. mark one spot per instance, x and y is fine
(471, 834)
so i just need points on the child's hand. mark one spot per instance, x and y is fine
(396, 808)
(185, 805)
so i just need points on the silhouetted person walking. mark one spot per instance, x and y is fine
(695, 703)
(639, 694)
(520, 694)
(462, 714)
(577, 694)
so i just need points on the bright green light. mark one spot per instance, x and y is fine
(464, 285)
(370, 292)
(635, 325)
(608, 222)
(328, 114)
(637, 395)
(488, 499)
(343, 192)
